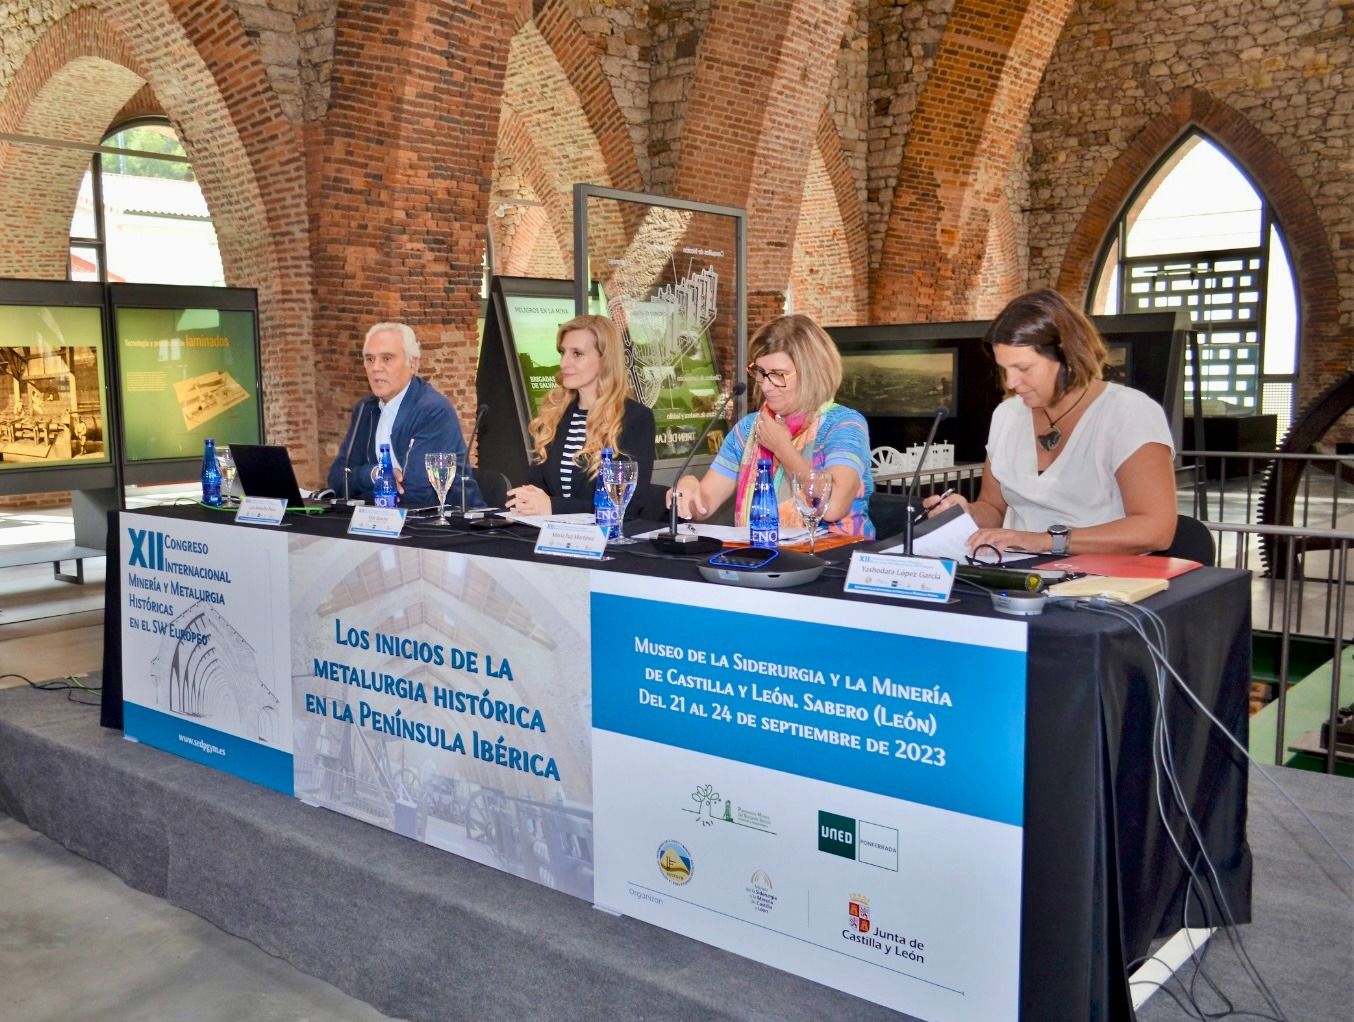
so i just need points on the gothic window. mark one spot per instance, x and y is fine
(1199, 236)
(140, 214)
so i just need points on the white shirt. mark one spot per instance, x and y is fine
(385, 425)
(1079, 489)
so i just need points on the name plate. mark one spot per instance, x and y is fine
(261, 511)
(571, 539)
(377, 521)
(929, 579)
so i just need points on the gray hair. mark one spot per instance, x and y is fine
(411, 349)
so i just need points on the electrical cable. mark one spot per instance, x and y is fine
(71, 686)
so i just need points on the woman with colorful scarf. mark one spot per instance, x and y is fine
(799, 427)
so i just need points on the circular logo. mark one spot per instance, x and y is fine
(675, 861)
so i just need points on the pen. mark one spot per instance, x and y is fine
(922, 515)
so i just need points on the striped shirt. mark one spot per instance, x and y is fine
(574, 440)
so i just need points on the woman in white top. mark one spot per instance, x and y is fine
(1074, 464)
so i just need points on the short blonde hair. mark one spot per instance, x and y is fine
(811, 350)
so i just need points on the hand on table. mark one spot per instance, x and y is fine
(528, 500)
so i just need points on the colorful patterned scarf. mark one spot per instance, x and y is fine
(803, 427)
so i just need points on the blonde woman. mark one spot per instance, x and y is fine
(799, 427)
(590, 409)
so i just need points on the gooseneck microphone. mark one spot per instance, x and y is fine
(474, 432)
(348, 454)
(941, 412)
(672, 542)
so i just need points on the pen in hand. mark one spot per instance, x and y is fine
(924, 513)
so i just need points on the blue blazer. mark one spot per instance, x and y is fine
(425, 417)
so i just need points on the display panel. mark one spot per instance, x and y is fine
(672, 271)
(914, 382)
(1117, 368)
(52, 385)
(186, 374)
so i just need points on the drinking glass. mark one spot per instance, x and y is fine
(812, 491)
(441, 468)
(225, 462)
(619, 479)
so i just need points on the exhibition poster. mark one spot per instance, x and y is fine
(822, 790)
(186, 374)
(52, 382)
(205, 645)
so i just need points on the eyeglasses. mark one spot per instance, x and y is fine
(978, 560)
(775, 377)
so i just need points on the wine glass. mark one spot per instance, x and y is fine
(619, 478)
(441, 469)
(812, 491)
(225, 462)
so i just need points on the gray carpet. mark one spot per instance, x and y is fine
(1302, 940)
(424, 935)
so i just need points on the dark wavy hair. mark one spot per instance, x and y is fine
(1045, 321)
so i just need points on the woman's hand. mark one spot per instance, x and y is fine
(1012, 540)
(935, 504)
(772, 433)
(528, 500)
(687, 493)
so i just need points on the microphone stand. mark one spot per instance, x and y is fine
(672, 542)
(941, 412)
(474, 432)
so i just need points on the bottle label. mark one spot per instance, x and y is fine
(764, 536)
(386, 499)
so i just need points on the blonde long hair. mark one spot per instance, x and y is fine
(607, 412)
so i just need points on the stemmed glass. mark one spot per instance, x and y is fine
(441, 468)
(619, 479)
(225, 461)
(812, 491)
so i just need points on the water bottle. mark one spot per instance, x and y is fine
(603, 510)
(764, 520)
(387, 495)
(211, 475)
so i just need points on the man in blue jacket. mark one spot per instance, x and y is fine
(405, 412)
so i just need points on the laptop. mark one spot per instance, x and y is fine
(266, 471)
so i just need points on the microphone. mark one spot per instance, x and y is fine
(671, 542)
(347, 454)
(941, 412)
(474, 432)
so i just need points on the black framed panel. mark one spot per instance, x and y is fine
(189, 366)
(56, 405)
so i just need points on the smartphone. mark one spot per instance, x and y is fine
(744, 558)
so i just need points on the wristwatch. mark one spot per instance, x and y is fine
(1059, 535)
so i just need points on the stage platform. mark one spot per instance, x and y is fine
(415, 932)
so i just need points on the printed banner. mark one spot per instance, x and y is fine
(205, 645)
(822, 790)
(445, 697)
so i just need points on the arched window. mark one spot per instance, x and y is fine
(1199, 236)
(140, 215)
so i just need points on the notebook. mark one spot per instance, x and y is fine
(1129, 590)
(1124, 565)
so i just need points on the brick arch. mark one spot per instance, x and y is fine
(964, 137)
(751, 125)
(70, 86)
(830, 270)
(1323, 347)
(550, 224)
(577, 58)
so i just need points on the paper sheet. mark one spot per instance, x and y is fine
(729, 533)
(950, 539)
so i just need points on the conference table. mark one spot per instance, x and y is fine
(1101, 878)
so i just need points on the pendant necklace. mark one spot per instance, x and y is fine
(1054, 436)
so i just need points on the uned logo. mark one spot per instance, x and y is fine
(836, 835)
(148, 549)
